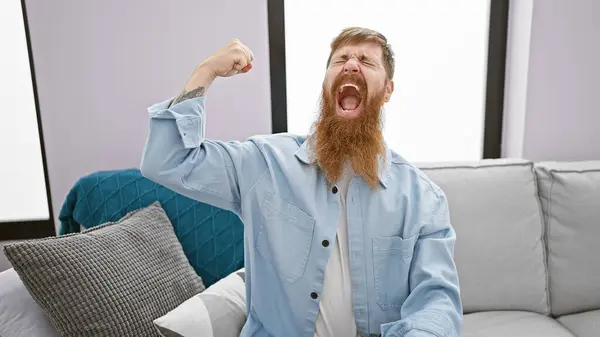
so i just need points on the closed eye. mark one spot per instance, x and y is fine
(362, 59)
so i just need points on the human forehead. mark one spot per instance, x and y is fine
(368, 49)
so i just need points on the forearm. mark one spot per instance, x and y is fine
(433, 307)
(197, 85)
(438, 317)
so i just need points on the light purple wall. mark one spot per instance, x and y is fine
(100, 64)
(563, 119)
(553, 112)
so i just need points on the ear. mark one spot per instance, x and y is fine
(389, 90)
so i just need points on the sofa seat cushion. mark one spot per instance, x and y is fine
(570, 193)
(585, 324)
(499, 229)
(20, 316)
(513, 324)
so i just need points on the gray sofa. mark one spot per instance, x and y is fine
(527, 251)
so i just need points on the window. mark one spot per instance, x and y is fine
(449, 77)
(25, 210)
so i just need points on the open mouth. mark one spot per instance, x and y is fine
(349, 99)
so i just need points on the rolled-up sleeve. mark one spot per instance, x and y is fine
(188, 116)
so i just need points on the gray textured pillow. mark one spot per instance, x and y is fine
(110, 280)
(219, 311)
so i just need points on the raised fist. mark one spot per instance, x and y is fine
(230, 60)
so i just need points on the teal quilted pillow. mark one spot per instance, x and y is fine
(212, 238)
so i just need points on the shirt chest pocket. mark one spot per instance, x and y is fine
(392, 257)
(285, 237)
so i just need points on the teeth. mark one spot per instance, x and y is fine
(349, 85)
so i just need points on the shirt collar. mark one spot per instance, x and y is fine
(384, 167)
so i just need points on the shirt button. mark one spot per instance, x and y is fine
(314, 295)
(325, 243)
(334, 189)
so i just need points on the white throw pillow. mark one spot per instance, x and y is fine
(218, 311)
(20, 316)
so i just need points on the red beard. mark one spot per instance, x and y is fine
(358, 141)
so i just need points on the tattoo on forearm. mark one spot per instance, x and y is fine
(190, 94)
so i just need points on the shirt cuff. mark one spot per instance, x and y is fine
(188, 116)
(418, 333)
(425, 323)
(193, 107)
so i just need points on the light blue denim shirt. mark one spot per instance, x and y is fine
(401, 243)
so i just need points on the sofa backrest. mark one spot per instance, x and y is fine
(570, 198)
(497, 216)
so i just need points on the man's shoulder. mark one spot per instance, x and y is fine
(404, 171)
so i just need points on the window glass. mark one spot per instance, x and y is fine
(438, 106)
(22, 183)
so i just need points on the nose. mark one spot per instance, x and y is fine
(351, 66)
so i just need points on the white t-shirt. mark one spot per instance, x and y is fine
(336, 314)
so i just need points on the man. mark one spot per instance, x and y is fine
(343, 237)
